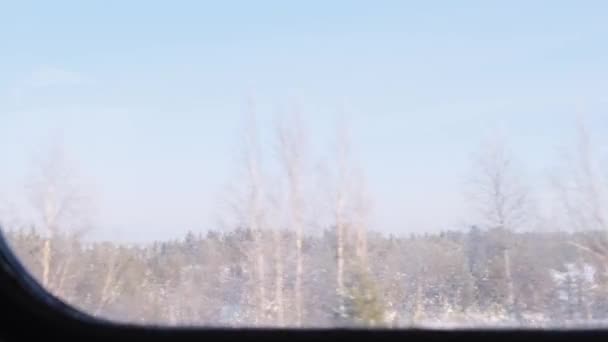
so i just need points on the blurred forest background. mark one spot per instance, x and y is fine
(300, 251)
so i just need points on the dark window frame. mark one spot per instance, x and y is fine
(28, 311)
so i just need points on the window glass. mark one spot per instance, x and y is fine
(312, 164)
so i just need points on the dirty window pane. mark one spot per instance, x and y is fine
(312, 164)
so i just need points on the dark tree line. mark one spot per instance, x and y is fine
(448, 278)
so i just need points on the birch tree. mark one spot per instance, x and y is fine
(582, 191)
(351, 207)
(340, 208)
(248, 203)
(279, 299)
(582, 188)
(362, 208)
(292, 151)
(60, 206)
(64, 208)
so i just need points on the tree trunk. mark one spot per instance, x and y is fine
(62, 275)
(46, 262)
(260, 277)
(418, 307)
(106, 289)
(362, 246)
(278, 260)
(509, 279)
(299, 276)
(340, 251)
(296, 214)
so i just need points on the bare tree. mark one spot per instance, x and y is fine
(583, 188)
(279, 276)
(362, 207)
(497, 193)
(112, 280)
(502, 202)
(248, 204)
(340, 214)
(61, 206)
(292, 151)
(350, 210)
(582, 192)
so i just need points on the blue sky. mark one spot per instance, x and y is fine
(149, 95)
